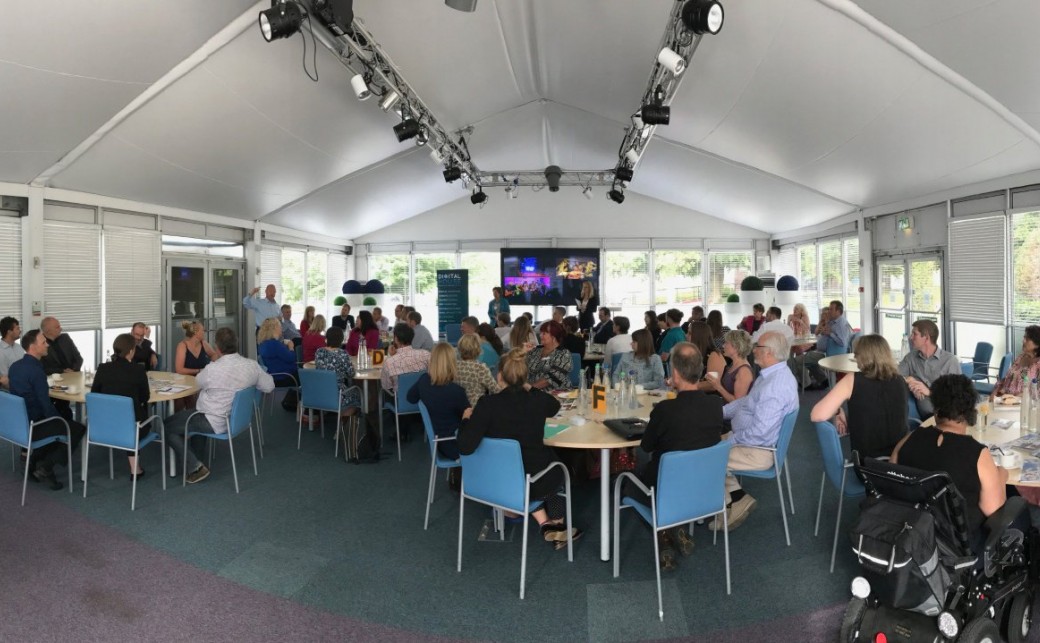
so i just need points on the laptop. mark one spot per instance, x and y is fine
(627, 428)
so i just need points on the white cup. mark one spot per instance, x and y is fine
(1010, 460)
(57, 377)
(72, 390)
(713, 375)
(640, 389)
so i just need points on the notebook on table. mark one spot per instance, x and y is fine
(628, 428)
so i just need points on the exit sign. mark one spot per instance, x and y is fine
(905, 223)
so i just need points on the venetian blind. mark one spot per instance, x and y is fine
(976, 273)
(270, 267)
(11, 266)
(133, 276)
(72, 274)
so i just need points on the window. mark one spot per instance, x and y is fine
(1025, 268)
(11, 266)
(72, 280)
(677, 279)
(292, 292)
(808, 280)
(393, 272)
(852, 296)
(725, 272)
(786, 263)
(485, 273)
(133, 267)
(626, 283)
(334, 286)
(270, 267)
(426, 267)
(317, 277)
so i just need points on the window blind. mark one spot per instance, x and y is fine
(133, 274)
(270, 267)
(725, 272)
(808, 280)
(72, 280)
(786, 263)
(337, 275)
(1025, 268)
(976, 274)
(832, 281)
(852, 280)
(11, 266)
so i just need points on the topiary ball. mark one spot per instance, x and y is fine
(374, 287)
(352, 287)
(751, 283)
(733, 299)
(369, 301)
(787, 283)
(339, 301)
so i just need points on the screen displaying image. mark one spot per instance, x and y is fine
(548, 276)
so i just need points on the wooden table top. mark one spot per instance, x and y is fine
(373, 373)
(594, 434)
(156, 379)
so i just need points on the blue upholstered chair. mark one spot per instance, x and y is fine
(238, 421)
(836, 469)
(779, 466)
(16, 428)
(112, 424)
(437, 461)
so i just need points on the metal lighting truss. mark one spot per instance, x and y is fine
(681, 41)
(536, 178)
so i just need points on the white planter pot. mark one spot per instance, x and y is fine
(752, 297)
(787, 298)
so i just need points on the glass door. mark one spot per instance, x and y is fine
(204, 290)
(891, 306)
(909, 289)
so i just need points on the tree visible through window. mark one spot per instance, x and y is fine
(1025, 268)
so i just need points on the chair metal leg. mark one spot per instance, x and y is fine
(252, 447)
(162, 452)
(184, 458)
(299, 433)
(657, 570)
(86, 461)
(837, 521)
(523, 555)
(133, 483)
(234, 470)
(617, 528)
(725, 544)
(783, 509)
(790, 493)
(25, 477)
(68, 448)
(429, 492)
(462, 503)
(111, 466)
(570, 540)
(397, 422)
(819, 505)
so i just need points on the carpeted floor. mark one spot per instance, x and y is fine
(316, 549)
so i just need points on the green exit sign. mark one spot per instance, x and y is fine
(905, 223)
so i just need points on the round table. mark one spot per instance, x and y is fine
(595, 435)
(364, 376)
(995, 436)
(840, 363)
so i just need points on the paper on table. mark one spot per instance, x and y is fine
(176, 388)
(553, 429)
(1030, 471)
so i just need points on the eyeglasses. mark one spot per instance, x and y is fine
(754, 346)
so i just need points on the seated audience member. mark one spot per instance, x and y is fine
(876, 397)
(752, 322)
(518, 413)
(699, 334)
(817, 378)
(653, 326)
(718, 329)
(837, 329)
(62, 356)
(279, 359)
(736, 378)
(472, 374)
(490, 337)
(10, 348)
(332, 357)
(400, 314)
(308, 319)
(549, 365)
(621, 342)
(226, 375)
(673, 335)
(366, 328)
(404, 358)
(572, 340)
(642, 362)
(691, 421)
(28, 380)
(799, 321)
(382, 323)
(289, 330)
(144, 354)
(604, 330)
(696, 315)
(1025, 365)
(344, 320)
(947, 447)
(522, 336)
(423, 340)
(503, 328)
(925, 363)
(445, 400)
(125, 376)
(314, 338)
(558, 313)
(774, 323)
(529, 316)
(755, 420)
(488, 355)
(193, 352)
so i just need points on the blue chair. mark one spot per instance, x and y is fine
(285, 389)
(986, 387)
(453, 333)
(853, 339)
(319, 391)
(158, 362)
(16, 428)
(240, 419)
(575, 370)
(977, 369)
(112, 424)
(836, 469)
(779, 466)
(615, 359)
(437, 461)
(834, 348)
(494, 475)
(691, 485)
(399, 404)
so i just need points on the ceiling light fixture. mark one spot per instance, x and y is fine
(656, 114)
(703, 16)
(389, 101)
(437, 156)
(478, 197)
(552, 176)
(406, 129)
(422, 138)
(360, 87)
(633, 156)
(282, 20)
(452, 173)
(671, 61)
(624, 174)
(587, 193)
(469, 6)
(616, 195)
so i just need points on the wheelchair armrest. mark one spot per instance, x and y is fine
(1001, 519)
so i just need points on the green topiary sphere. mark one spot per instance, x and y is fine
(369, 301)
(339, 301)
(733, 299)
(751, 283)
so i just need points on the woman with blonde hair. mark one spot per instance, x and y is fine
(877, 397)
(192, 355)
(587, 306)
(518, 413)
(445, 400)
(279, 359)
(799, 320)
(472, 374)
(522, 333)
(734, 381)
(314, 338)
(308, 319)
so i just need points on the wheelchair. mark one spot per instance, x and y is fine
(921, 579)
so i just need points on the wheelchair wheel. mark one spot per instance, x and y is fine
(981, 630)
(850, 622)
(1019, 618)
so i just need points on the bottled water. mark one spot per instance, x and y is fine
(362, 354)
(1034, 407)
(904, 347)
(583, 395)
(1025, 411)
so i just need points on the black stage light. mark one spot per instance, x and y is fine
(552, 177)
(656, 114)
(452, 173)
(469, 6)
(406, 129)
(703, 16)
(624, 174)
(478, 198)
(280, 21)
(616, 195)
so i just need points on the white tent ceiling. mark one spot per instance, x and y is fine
(798, 111)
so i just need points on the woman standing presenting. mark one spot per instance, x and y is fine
(497, 305)
(587, 306)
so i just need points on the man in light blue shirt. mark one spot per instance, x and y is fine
(423, 339)
(755, 420)
(262, 308)
(10, 349)
(289, 330)
(838, 330)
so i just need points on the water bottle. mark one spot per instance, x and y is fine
(1024, 412)
(621, 384)
(633, 403)
(583, 395)
(904, 348)
(597, 379)
(362, 354)
(1034, 407)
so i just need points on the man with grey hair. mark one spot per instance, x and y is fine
(755, 420)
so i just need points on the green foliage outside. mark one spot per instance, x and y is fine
(1025, 256)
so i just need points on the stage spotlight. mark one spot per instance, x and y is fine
(389, 100)
(360, 87)
(656, 114)
(624, 174)
(632, 155)
(616, 195)
(511, 192)
(437, 156)
(478, 197)
(552, 175)
(280, 21)
(452, 173)
(422, 138)
(703, 16)
(406, 129)
(469, 6)
(671, 61)
(587, 193)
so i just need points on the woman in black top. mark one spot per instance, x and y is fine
(877, 398)
(572, 341)
(650, 323)
(518, 413)
(445, 400)
(947, 447)
(122, 376)
(588, 304)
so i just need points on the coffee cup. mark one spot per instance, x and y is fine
(1010, 460)
(57, 377)
(713, 375)
(640, 389)
(72, 390)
